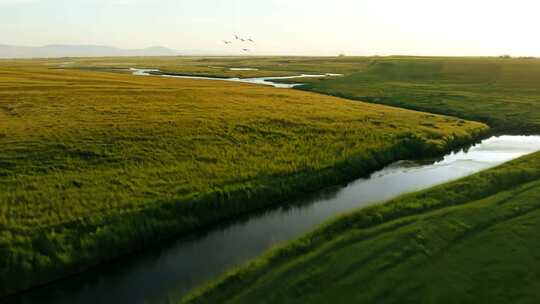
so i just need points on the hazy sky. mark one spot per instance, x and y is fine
(362, 27)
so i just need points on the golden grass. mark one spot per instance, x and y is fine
(88, 147)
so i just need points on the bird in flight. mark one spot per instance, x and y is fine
(245, 50)
(236, 36)
(250, 40)
(227, 42)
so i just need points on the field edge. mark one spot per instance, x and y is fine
(456, 193)
(126, 234)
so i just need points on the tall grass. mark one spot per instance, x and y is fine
(95, 165)
(361, 255)
(502, 93)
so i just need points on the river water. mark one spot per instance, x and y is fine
(172, 270)
(269, 81)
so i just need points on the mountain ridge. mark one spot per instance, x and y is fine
(87, 50)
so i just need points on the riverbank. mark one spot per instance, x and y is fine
(502, 93)
(97, 165)
(276, 82)
(480, 225)
(176, 267)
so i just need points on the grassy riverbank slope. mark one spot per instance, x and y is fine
(224, 66)
(504, 93)
(474, 253)
(474, 240)
(95, 165)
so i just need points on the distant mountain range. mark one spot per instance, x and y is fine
(61, 50)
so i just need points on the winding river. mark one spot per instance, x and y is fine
(172, 270)
(269, 81)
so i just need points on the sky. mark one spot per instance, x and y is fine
(286, 27)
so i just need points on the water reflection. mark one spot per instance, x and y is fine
(176, 268)
(269, 81)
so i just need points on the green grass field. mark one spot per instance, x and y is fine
(482, 250)
(95, 164)
(504, 93)
(212, 66)
(474, 240)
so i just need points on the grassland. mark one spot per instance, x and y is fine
(404, 251)
(474, 240)
(504, 93)
(465, 242)
(213, 66)
(94, 165)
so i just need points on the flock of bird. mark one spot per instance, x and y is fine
(239, 39)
